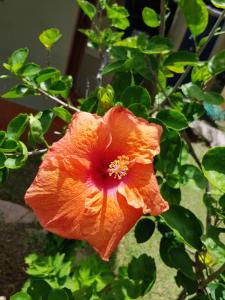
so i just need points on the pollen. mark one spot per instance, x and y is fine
(119, 167)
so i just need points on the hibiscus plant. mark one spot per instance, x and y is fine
(122, 159)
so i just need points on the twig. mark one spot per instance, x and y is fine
(37, 152)
(210, 36)
(182, 295)
(162, 18)
(191, 149)
(58, 100)
(211, 277)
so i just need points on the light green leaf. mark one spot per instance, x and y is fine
(184, 224)
(18, 91)
(17, 126)
(30, 70)
(219, 3)
(88, 8)
(159, 45)
(49, 37)
(217, 63)
(150, 17)
(20, 296)
(173, 119)
(196, 15)
(17, 160)
(63, 114)
(17, 60)
(46, 74)
(213, 164)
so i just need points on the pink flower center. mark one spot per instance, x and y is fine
(119, 167)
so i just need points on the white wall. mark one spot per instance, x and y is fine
(21, 21)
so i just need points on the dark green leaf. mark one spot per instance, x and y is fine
(139, 110)
(2, 161)
(88, 8)
(188, 284)
(60, 88)
(30, 70)
(63, 114)
(120, 82)
(181, 59)
(144, 230)
(184, 224)
(173, 196)
(46, 118)
(217, 63)
(89, 104)
(173, 119)
(49, 37)
(196, 15)
(39, 290)
(2, 136)
(113, 67)
(17, 160)
(3, 175)
(9, 145)
(20, 296)
(213, 164)
(17, 126)
(135, 94)
(150, 17)
(191, 172)
(58, 295)
(18, 91)
(17, 59)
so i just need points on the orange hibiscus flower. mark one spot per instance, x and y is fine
(98, 180)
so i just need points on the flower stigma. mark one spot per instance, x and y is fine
(119, 167)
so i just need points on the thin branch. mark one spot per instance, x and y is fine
(162, 18)
(182, 295)
(212, 277)
(37, 152)
(210, 36)
(58, 100)
(191, 149)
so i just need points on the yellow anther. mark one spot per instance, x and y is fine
(119, 167)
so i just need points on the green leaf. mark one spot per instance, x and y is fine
(2, 161)
(57, 294)
(219, 3)
(170, 146)
(17, 59)
(135, 94)
(18, 91)
(63, 114)
(122, 23)
(46, 74)
(116, 66)
(192, 90)
(39, 289)
(89, 104)
(45, 118)
(173, 119)
(184, 224)
(88, 8)
(150, 17)
(17, 126)
(159, 45)
(144, 230)
(121, 81)
(217, 290)
(176, 61)
(29, 70)
(60, 88)
(188, 284)
(49, 37)
(2, 136)
(213, 164)
(172, 195)
(20, 296)
(200, 73)
(217, 63)
(139, 110)
(17, 160)
(196, 15)
(191, 172)
(9, 145)
(214, 98)
(116, 12)
(36, 129)
(3, 175)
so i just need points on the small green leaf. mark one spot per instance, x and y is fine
(217, 63)
(9, 145)
(139, 110)
(36, 129)
(18, 91)
(213, 164)
(60, 88)
(200, 73)
(144, 230)
(116, 66)
(219, 3)
(193, 91)
(150, 17)
(17, 126)
(135, 94)
(46, 74)
(184, 224)
(17, 60)
(46, 118)
(173, 119)
(57, 294)
(49, 37)
(180, 59)
(122, 23)
(29, 70)
(88, 8)
(20, 296)
(39, 289)
(172, 195)
(159, 45)
(116, 11)
(196, 15)
(17, 160)
(63, 114)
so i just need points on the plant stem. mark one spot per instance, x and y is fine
(182, 295)
(162, 18)
(191, 149)
(37, 152)
(212, 277)
(210, 36)
(58, 100)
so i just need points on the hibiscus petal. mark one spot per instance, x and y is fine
(132, 136)
(141, 190)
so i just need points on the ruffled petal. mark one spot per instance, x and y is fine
(132, 136)
(141, 190)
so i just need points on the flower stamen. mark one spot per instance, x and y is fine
(119, 167)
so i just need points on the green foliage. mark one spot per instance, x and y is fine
(48, 38)
(150, 17)
(144, 230)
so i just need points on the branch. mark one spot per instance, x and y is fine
(191, 149)
(37, 152)
(162, 18)
(182, 295)
(211, 277)
(58, 100)
(199, 52)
